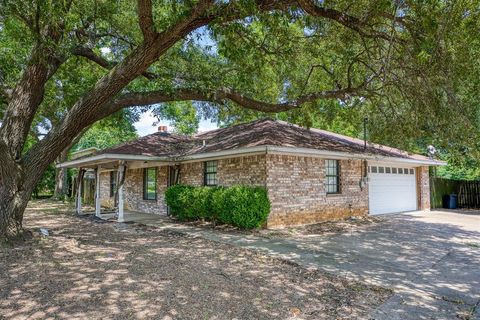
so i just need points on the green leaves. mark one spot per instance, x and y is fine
(110, 131)
(182, 115)
(415, 84)
(245, 207)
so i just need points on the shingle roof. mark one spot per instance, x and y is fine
(265, 132)
(158, 144)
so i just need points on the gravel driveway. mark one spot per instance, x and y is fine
(91, 270)
(430, 259)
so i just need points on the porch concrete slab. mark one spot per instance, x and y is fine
(140, 217)
(430, 259)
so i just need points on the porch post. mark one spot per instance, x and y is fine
(78, 207)
(97, 193)
(121, 170)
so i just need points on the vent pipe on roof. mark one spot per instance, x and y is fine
(162, 129)
(204, 143)
(431, 151)
(364, 179)
(365, 121)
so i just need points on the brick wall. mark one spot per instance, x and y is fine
(296, 189)
(247, 170)
(191, 173)
(106, 200)
(133, 191)
(423, 188)
(295, 186)
(250, 170)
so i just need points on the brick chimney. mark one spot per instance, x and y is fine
(162, 129)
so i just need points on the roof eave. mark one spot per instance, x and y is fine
(308, 152)
(108, 157)
(348, 155)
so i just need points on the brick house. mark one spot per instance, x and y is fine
(311, 175)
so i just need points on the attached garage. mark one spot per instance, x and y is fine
(392, 188)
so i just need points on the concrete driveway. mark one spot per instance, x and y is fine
(430, 259)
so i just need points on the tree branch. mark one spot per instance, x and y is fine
(145, 19)
(97, 103)
(92, 56)
(344, 19)
(104, 63)
(219, 96)
(88, 108)
(25, 98)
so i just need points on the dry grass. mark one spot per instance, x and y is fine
(86, 269)
(326, 228)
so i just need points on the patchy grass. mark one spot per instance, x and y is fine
(85, 269)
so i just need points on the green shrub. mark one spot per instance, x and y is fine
(248, 207)
(242, 206)
(199, 199)
(177, 198)
(189, 203)
(220, 209)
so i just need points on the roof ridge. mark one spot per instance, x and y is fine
(234, 126)
(351, 139)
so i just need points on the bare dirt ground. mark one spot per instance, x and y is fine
(89, 270)
(326, 228)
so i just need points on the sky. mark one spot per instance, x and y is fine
(145, 125)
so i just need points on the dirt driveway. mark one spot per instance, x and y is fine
(430, 259)
(92, 270)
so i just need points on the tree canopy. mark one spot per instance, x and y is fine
(109, 132)
(410, 66)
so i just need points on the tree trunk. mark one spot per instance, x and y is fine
(12, 206)
(19, 172)
(61, 179)
(13, 198)
(16, 187)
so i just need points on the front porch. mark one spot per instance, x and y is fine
(116, 189)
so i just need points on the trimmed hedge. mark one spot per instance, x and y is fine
(242, 206)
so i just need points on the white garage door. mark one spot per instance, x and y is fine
(391, 189)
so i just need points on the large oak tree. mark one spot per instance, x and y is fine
(82, 61)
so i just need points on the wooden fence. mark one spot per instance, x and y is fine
(468, 192)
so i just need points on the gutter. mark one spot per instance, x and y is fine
(345, 155)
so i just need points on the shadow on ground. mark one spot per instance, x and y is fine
(431, 260)
(89, 270)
